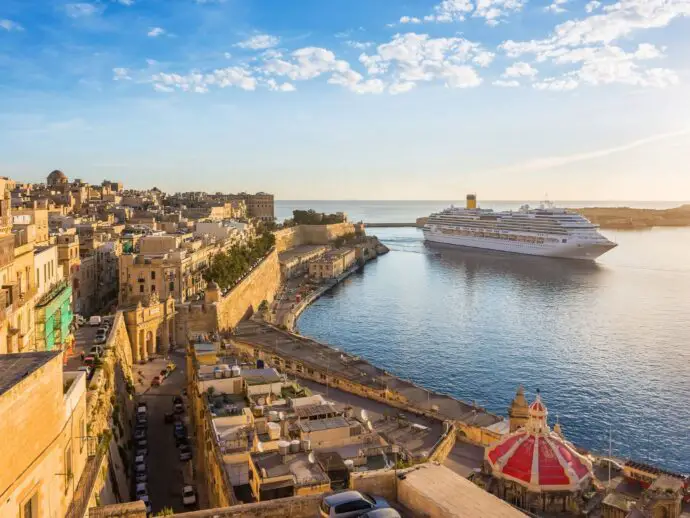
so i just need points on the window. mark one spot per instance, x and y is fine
(68, 467)
(153, 288)
(141, 288)
(30, 507)
(172, 286)
(153, 276)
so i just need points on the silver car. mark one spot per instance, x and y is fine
(350, 503)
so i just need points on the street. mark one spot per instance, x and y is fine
(83, 341)
(166, 473)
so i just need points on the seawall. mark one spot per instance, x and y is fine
(311, 235)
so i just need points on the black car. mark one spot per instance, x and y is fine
(177, 400)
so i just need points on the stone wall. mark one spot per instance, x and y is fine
(244, 299)
(444, 446)
(311, 235)
(295, 507)
(111, 409)
(241, 302)
(380, 482)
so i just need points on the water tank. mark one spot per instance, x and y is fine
(306, 444)
(350, 464)
(259, 364)
(294, 446)
(273, 415)
(261, 401)
(283, 447)
(217, 373)
(223, 366)
(236, 371)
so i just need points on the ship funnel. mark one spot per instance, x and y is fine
(471, 201)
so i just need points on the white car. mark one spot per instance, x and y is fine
(95, 321)
(188, 495)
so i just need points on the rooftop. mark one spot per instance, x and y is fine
(297, 465)
(261, 376)
(15, 367)
(325, 424)
(298, 251)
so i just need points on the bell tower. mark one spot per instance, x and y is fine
(518, 412)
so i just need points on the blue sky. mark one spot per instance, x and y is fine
(352, 99)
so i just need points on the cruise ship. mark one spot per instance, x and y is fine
(546, 231)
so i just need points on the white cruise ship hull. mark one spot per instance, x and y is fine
(573, 249)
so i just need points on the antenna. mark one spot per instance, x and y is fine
(312, 458)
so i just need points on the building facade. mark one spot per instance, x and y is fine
(43, 463)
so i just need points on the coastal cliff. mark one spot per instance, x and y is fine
(629, 218)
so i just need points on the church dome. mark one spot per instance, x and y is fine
(57, 177)
(537, 458)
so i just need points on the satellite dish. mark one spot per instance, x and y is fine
(364, 415)
(312, 458)
(260, 446)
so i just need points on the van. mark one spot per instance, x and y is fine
(95, 321)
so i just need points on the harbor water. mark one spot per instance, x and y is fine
(607, 343)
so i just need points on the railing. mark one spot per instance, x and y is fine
(82, 494)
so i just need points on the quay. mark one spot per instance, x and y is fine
(390, 225)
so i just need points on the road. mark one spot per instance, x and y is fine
(84, 340)
(166, 473)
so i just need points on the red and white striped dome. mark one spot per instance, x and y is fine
(537, 458)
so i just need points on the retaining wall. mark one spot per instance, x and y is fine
(295, 507)
(311, 235)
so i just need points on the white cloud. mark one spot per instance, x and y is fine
(556, 6)
(460, 76)
(227, 55)
(155, 32)
(162, 88)
(647, 51)
(520, 69)
(151, 62)
(82, 10)
(399, 88)
(198, 82)
(361, 45)
(592, 6)
(9, 25)
(506, 84)
(260, 41)
(354, 81)
(483, 58)
(450, 11)
(410, 19)
(125, 2)
(552, 83)
(493, 10)
(276, 87)
(121, 74)
(305, 63)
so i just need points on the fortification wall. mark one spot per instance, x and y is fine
(311, 235)
(244, 299)
(294, 507)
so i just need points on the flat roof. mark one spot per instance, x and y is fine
(325, 424)
(260, 376)
(15, 367)
(315, 410)
(299, 251)
(297, 465)
(452, 494)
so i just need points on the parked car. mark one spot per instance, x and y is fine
(96, 351)
(142, 490)
(350, 503)
(142, 443)
(386, 512)
(95, 321)
(181, 441)
(156, 381)
(185, 452)
(141, 477)
(177, 399)
(139, 434)
(89, 361)
(140, 467)
(178, 408)
(100, 339)
(169, 417)
(143, 452)
(188, 495)
(79, 320)
(142, 420)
